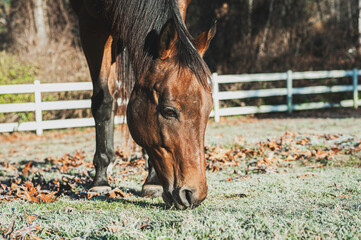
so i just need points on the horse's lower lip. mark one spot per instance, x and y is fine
(170, 202)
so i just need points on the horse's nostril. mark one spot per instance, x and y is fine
(189, 194)
(186, 196)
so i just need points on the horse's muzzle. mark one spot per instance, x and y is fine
(184, 197)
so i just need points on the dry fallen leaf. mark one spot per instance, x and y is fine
(25, 231)
(146, 225)
(237, 195)
(34, 237)
(11, 228)
(30, 218)
(92, 194)
(116, 193)
(113, 229)
(307, 175)
(26, 169)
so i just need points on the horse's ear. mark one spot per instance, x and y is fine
(201, 43)
(167, 40)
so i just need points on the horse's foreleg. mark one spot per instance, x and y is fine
(103, 113)
(103, 105)
(97, 43)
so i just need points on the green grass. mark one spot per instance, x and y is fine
(13, 71)
(326, 205)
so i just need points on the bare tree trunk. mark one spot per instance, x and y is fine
(319, 8)
(262, 46)
(249, 19)
(4, 13)
(39, 18)
(338, 11)
(349, 14)
(249, 30)
(359, 26)
(333, 9)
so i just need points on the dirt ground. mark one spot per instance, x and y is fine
(28, 146)
(256, 129)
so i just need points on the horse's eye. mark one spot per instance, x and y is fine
(169, 112)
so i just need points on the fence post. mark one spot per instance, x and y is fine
(215, 96)
(289, 90)
(355, 87)
(38, 112)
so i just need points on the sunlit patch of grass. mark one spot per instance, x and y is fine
(263, 206)
(343, 160)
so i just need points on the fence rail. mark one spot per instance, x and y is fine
(289, 91)
(38, 106)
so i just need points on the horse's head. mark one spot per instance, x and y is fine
(167, 115)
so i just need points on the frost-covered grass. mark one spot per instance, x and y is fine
(295, 203)
(325, 204)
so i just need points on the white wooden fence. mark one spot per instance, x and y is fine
(38, 106)
(289, 91)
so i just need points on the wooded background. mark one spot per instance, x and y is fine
(39, 40)
(276, 35)
(252, 35)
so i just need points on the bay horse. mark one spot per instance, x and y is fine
(141, 50)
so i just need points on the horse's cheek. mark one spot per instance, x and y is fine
(133, 119)
(139, 120)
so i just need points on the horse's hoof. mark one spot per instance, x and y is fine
(100, 189)
(151, 191)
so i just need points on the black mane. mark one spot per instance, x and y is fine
(138, 23)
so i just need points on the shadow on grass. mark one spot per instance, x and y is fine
(74, 186)
(137, 202)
